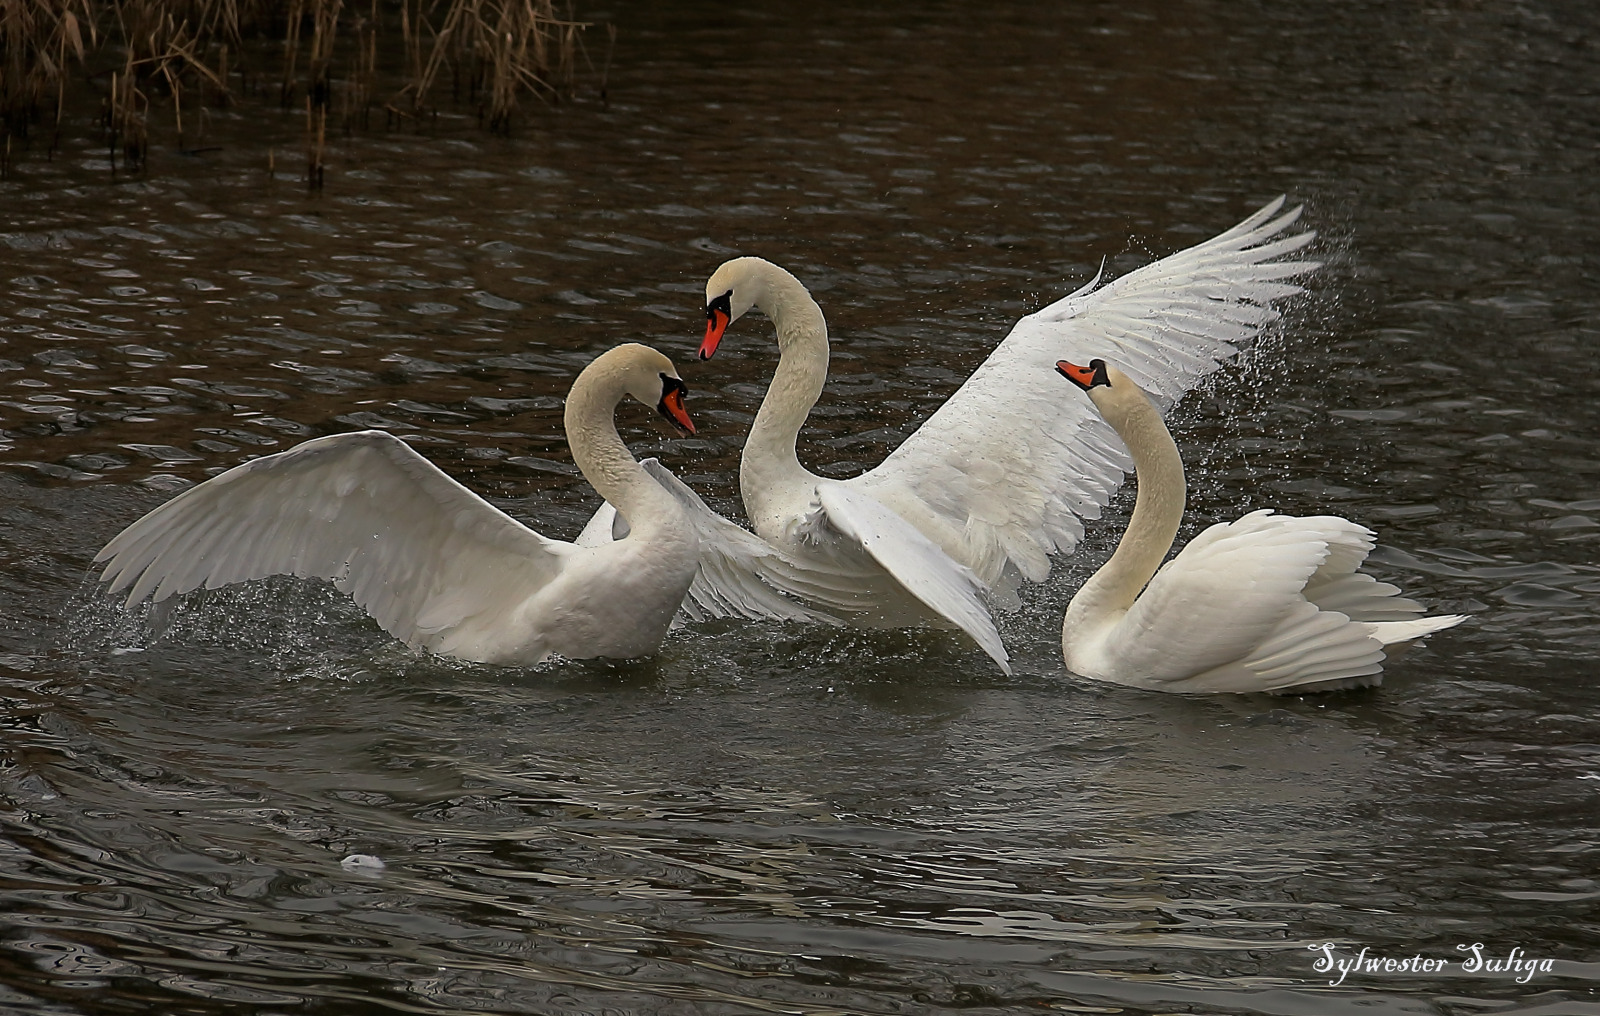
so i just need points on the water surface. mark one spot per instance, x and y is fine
(770, 818)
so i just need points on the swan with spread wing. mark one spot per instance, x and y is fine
(1003, 474)
(440, 568)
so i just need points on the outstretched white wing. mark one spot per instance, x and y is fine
(1006, 470)
(417, 550)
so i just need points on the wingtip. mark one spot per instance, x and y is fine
(990, 643)
(1254, 220)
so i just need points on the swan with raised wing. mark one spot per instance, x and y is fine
(1001, 476)
(1267, 603)
(434, 564)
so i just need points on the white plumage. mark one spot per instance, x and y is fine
(434, 564)
(1267, 603)
(1002, 475)
(741, 575)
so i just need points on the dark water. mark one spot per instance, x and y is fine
(784, 819)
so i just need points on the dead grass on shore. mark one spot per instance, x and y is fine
(174, 60)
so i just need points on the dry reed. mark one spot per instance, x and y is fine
(39, 40)
(496, 50)
(179, 56)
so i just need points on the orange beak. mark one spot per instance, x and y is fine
(671, 405)
(1084, 377)
(716, 323)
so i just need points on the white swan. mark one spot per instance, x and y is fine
(437, 566)
(1000, 477)
(1269, 603)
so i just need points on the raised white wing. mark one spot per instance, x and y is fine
(946, 587)
(418, 551)
(604, 527)
(1006, 470)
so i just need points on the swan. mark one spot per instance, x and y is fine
(434, 564)
(1001, 476)
(1267, 603)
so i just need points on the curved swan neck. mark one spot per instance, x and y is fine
(599, 453)
(1157, 509)
(770, 468)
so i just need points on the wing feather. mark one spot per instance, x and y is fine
(417, 550)
(1268, 603)
(742, 575)
(1005, 472)
(1222, 597)
(947, 588)
(1338, 586)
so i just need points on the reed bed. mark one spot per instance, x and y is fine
(341, 62)
(39, 41)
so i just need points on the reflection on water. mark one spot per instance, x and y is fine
(773, 818)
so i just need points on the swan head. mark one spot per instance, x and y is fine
(733, 289)
(671, 406)
(649, 376)
(1096, 375)
(1115, 395)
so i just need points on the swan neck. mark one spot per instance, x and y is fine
(1157, 508)
(770, 472)
(608, 465)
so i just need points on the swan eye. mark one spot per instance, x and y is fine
(722, 304)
